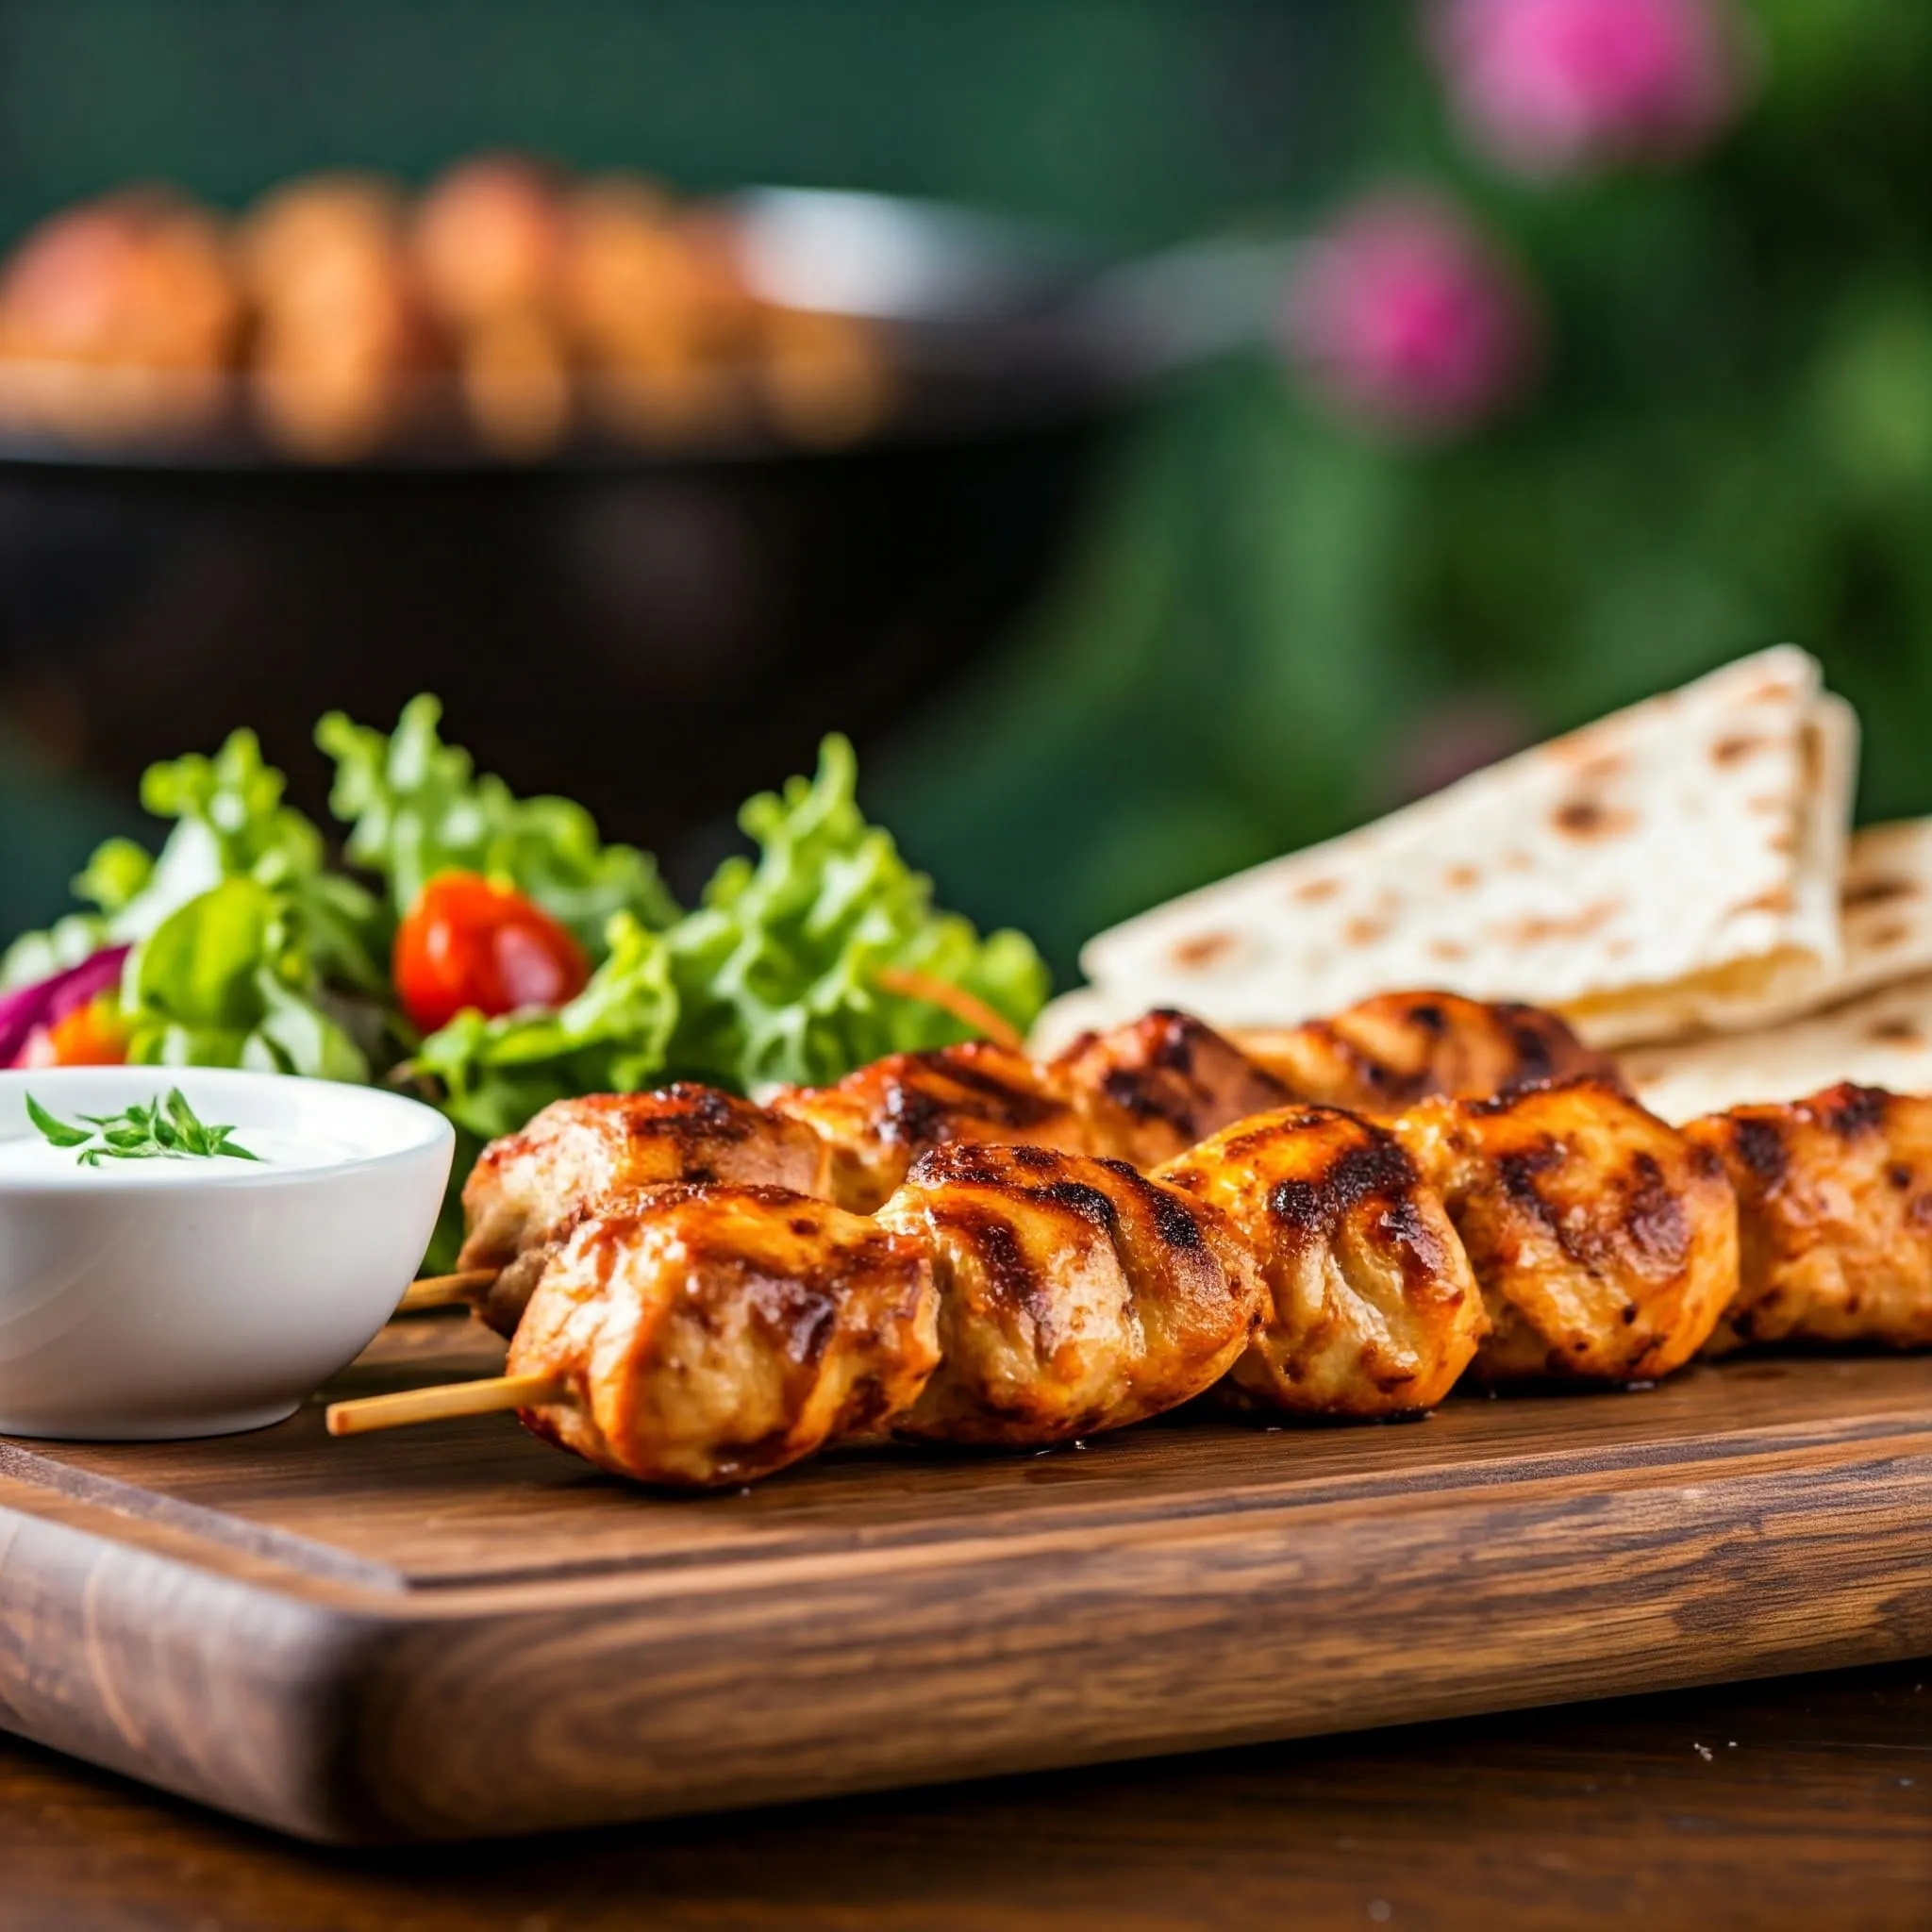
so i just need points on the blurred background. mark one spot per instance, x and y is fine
(1324, 397)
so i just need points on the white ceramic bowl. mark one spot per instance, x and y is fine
(201, 1297)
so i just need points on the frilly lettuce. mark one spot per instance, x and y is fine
(226, 981)
(416, 807)
(777, 971)
(229, 823)
(493, 1075)
(772, 979)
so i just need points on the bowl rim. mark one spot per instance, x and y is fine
(420, 1130)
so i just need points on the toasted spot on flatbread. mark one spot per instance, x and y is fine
(1364, 932)
(1885, 937)
(1767, 803)
(1875, 891)
(1529, 932)
(1590, 818)
(1898, 1032)
(1458, 878)
(1450, 950)
(1777, 901)
(1736, 747)
(1773, 691)
(1316, 890)
(1205, 950)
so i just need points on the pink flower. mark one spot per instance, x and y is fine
(1549, 87)
(1407, 315)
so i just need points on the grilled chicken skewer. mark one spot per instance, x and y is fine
(1373, 1312)
(1385, 1054)
(1144, 1093)
(1069, 1295)
(1835, 1219)
(1604, 1241)
(1369, 1283)
(693, 1336)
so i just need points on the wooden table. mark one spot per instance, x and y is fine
(1802, 1802)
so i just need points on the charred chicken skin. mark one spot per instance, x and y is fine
(528, 1190)
(1140, 1093)
(1075, 1295)
(1151, 1089)
(1605, 1241)
(1372, 1310)
(879, 1120)
(1834, 1219)
(708, 1335)
(1387, 1053)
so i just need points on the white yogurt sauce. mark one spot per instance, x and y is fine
(29, 1158)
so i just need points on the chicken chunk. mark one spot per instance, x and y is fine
(711, 1335)
(1834, 1219)
(1076, 1295)
(1606, 1243)
(1151, 1089)
(1372, 1309)
(1388, 1052)
(528, 1190)
(878, 1121)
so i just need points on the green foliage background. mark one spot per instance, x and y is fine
(1731, 445)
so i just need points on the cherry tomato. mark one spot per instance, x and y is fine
(91, 1036)
(467, 942)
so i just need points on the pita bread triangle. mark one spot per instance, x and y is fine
(1675, 866)
(1882, 1037)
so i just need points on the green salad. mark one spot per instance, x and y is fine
(488, 952)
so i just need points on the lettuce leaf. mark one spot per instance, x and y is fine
(772, 979)
(229, 823)
(417, 807)
(224, 981)
(613, 1038)
(777, 971)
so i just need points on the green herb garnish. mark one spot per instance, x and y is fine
(161, 1130)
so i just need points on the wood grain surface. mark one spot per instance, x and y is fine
(460, 1632)
(1798, 1805)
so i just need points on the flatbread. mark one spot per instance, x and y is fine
(1675, 865)
(1881, 1039)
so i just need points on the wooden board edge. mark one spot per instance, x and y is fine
(224, 1688)
(1243, 1632)
(350, 1722)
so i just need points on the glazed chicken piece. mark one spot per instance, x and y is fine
(1834, 1219)
(1149, 1091)
(707, 1335)
(1387, 1053)
(528, 1190)
(1372, 1310)
(1606, 1243)
(1075, 1295)
(878, 1121)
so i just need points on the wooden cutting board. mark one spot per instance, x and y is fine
(456, 1631)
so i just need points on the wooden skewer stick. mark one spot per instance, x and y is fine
(955, 999)
(444, 1291)
(444, 1399)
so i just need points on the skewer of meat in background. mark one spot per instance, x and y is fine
(1144, 1093)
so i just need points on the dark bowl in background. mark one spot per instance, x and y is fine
(654, 634)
